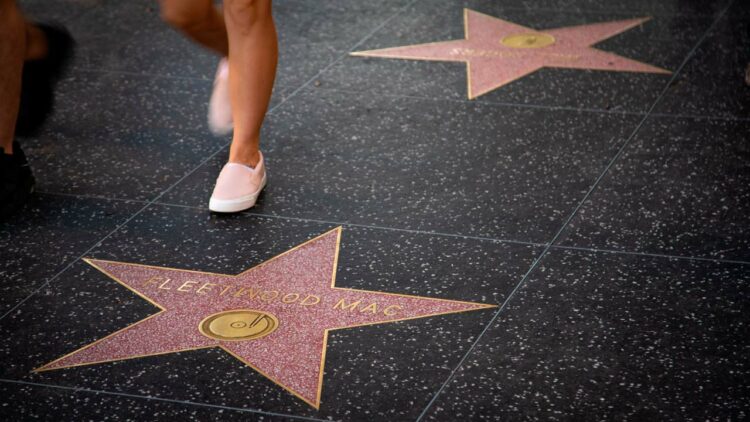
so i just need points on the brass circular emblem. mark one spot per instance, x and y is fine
(239, 324)
(528, 40)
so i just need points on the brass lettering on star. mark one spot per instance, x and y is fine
(474, 52)
(253, 293)
(365, 308)
(268, 296)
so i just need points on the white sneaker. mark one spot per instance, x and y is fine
(237, 187)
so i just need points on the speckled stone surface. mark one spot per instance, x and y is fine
(714, 82)
(379, 371)
(646, 7)
(38, 402)
(612, 337)
(438, 197)
(681, 188)
(59, 11)
(662, 41)
(51, 233)
(420, 164)
(122, 136)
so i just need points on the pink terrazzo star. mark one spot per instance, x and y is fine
(295, 289)
(498, 52)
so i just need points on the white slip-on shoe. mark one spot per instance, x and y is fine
(237, 187)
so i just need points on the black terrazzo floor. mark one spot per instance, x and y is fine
(606, 213)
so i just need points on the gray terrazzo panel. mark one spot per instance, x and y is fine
(713, 82)
(681, 188)
(599, 336)
(59, 11)
(38, 402)
(49, 234)
(122, 136)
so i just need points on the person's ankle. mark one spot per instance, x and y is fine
(247, 157)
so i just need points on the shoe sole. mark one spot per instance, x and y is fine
(236, 205)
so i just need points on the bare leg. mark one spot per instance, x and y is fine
(12, 54)
(199, 20)
(253, 53)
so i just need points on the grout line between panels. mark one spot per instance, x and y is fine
(419, 232)
(652, 255)
(367, 226)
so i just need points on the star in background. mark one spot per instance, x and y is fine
(498, 52)
(274, 317)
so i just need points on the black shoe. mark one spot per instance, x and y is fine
(16, 181)
(39, 79)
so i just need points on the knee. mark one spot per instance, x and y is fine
(245, 14)
(182, 14)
